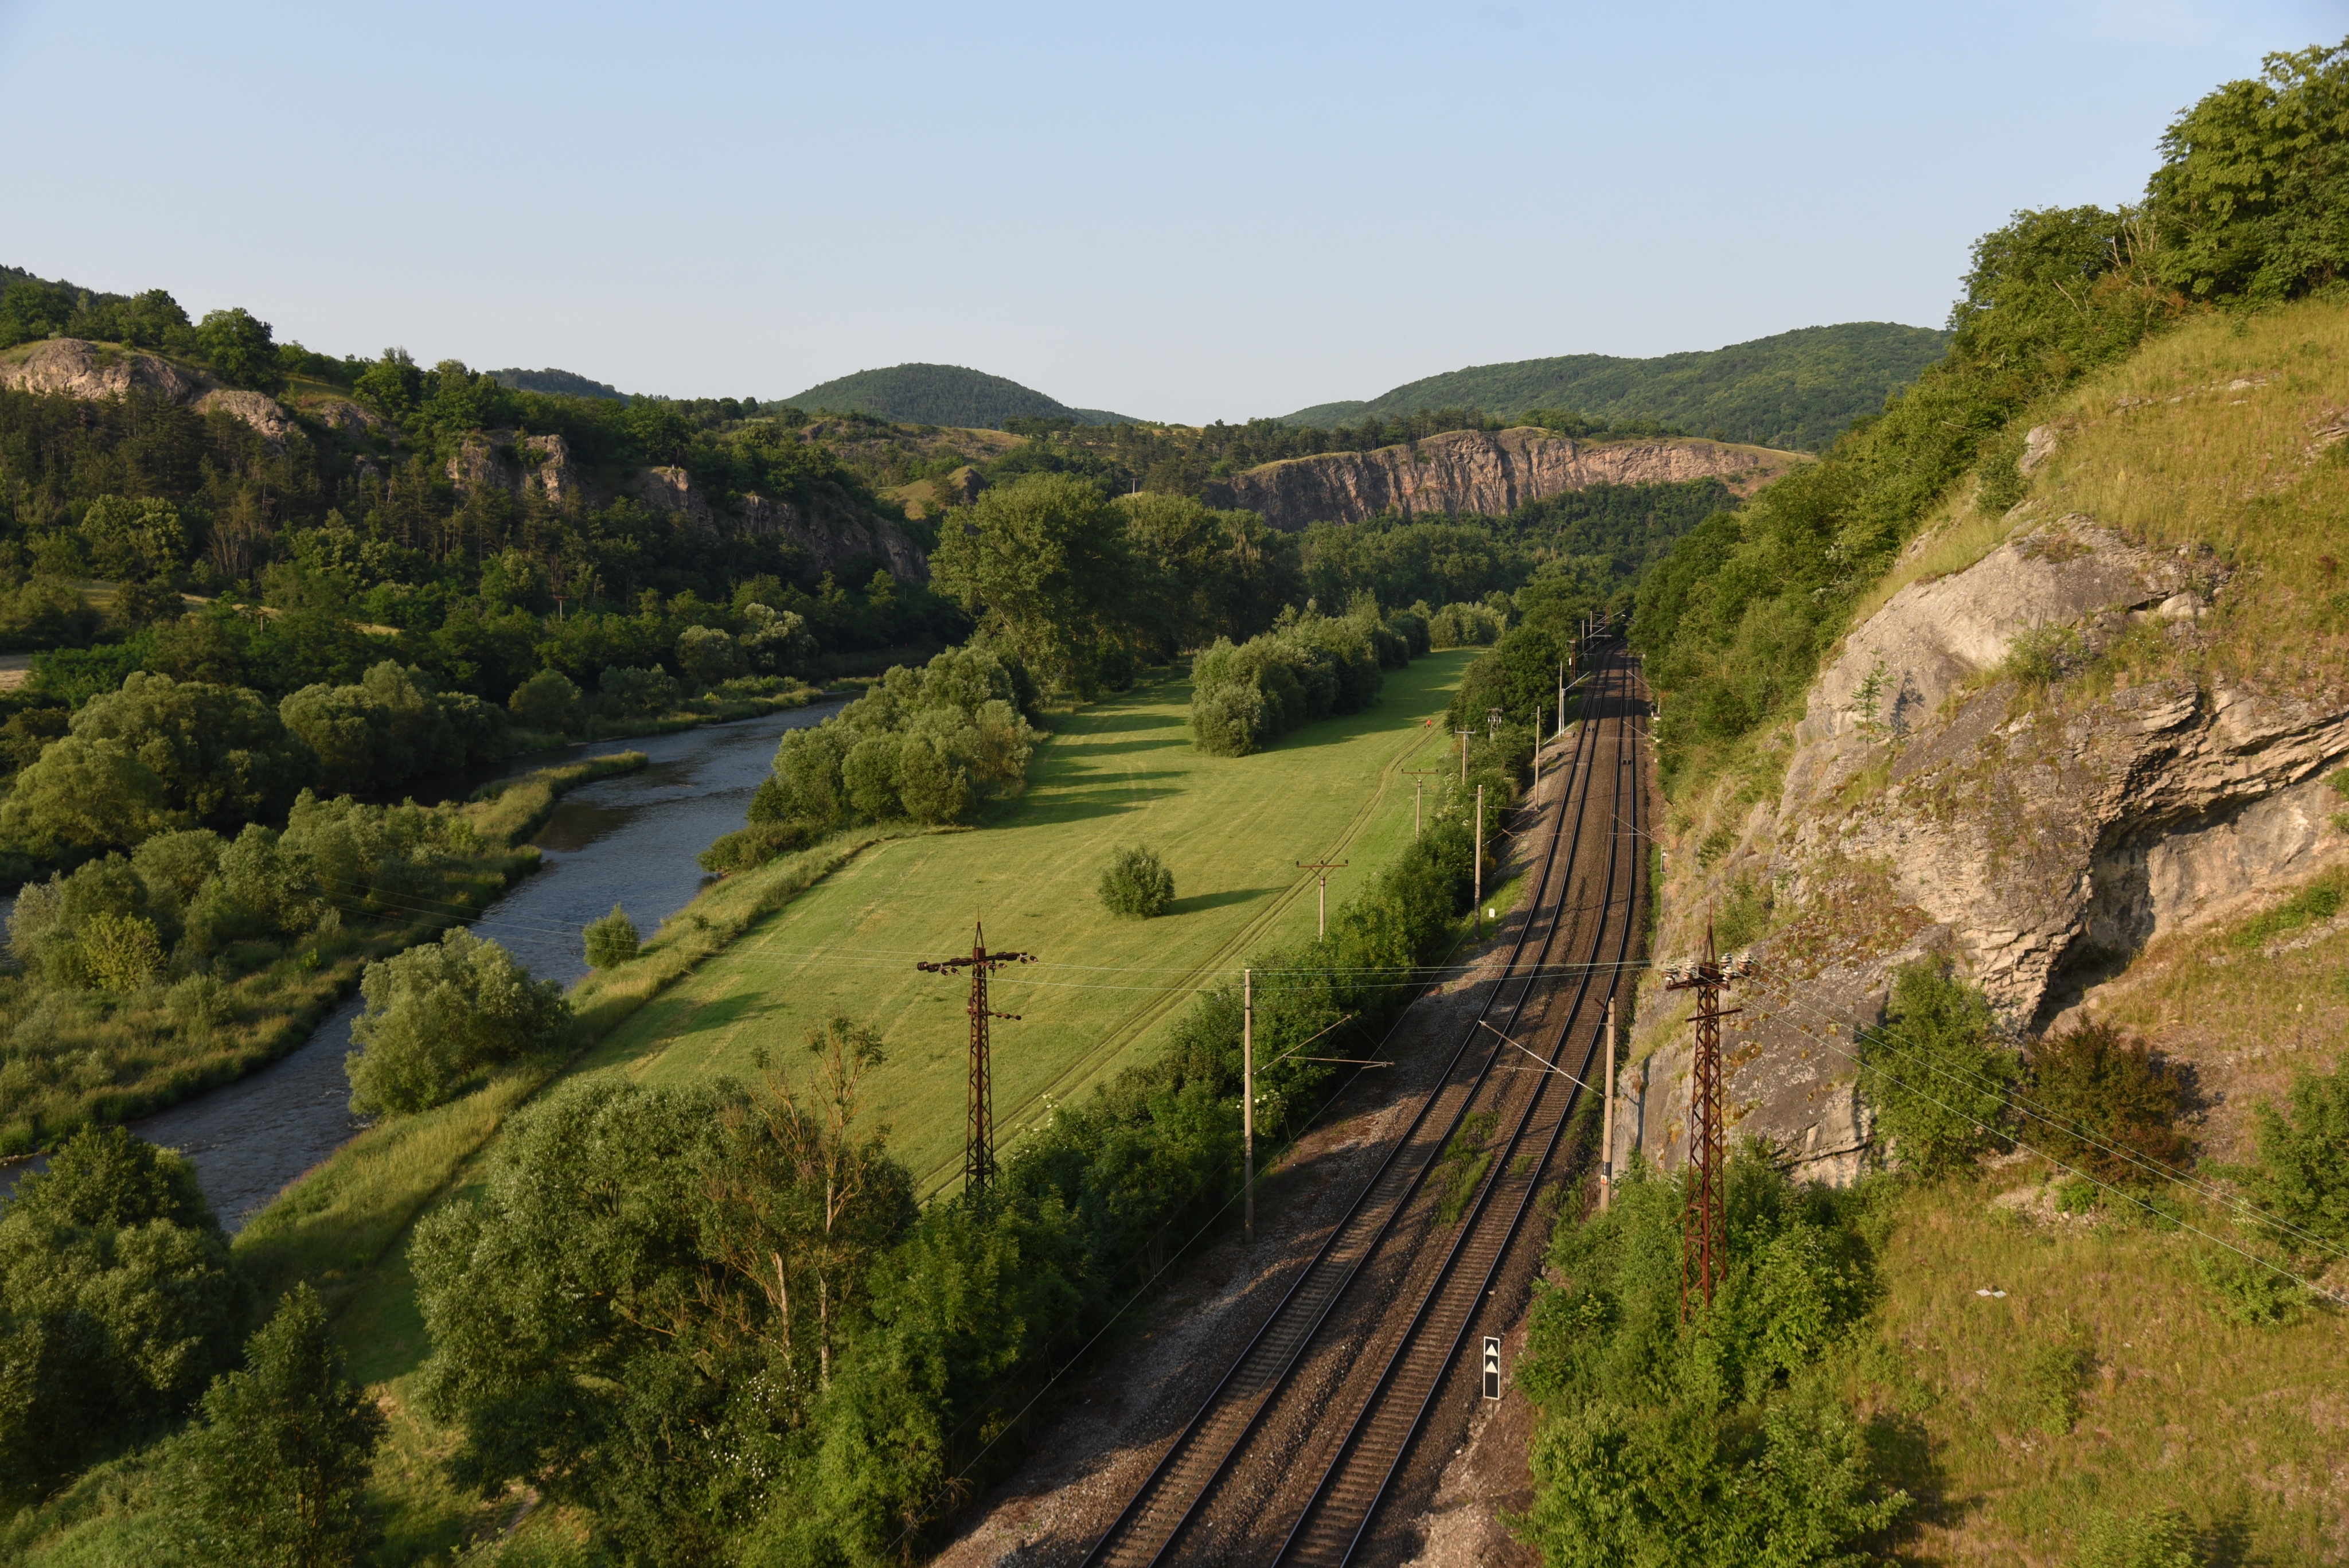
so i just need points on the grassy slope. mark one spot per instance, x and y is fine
(2243, 1427)
(1121, 772)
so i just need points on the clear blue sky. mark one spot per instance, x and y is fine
(1178, 211)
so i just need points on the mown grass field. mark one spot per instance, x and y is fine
(1118, 773)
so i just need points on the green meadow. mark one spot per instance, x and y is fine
(1119, 772)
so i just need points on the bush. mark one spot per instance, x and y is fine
(612, 941)
(1245, 697)
(637, 693)
(441, 1012)
(930, 745)
(1935, 1070)
(2110, 1106)
(2302, 1177)
(1466, 626)
(749, 848)
(1137, 883)
(2246, 1290)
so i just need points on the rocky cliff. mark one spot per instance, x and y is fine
(1489, 472)
(2089, 736)
(93, 370)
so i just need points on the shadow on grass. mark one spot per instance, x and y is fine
(1078, 805)
(1115, 746)
(1197, 902)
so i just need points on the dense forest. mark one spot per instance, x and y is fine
(942, 395)
(1797, 391)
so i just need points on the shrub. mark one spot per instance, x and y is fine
(929, 745)
(708, 656)
(1935, 1070)
(439, 1011)
(2301, 1176)
(637, 693)
(1243, 697)
(2155, 1539)
(122, 952)
(2246, 1290)
(612, 941)
(752, 847)
(1137, 883)
(2110, 1106)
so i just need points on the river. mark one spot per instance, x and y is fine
(629, 840)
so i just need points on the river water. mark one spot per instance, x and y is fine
(629, 840)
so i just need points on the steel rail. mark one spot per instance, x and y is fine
(1282, 1337)
(1345, 1502)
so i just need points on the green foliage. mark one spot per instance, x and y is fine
(941, 395)
(45, 613)
(1210, 574)
(134, 539)
(2048, 1383)
(1733, 621)
(2301, 1176)
(1461, 1169)
(2321, 899)
(1719, 1443)
(1045, 566)
(240, 349)
(440, 1012)
(390, 727)
(1137, 883)
(640, 1313)
(1936, 1071)
(1306, 668)
(2253, 183)
(1797, 388)
(637, 693)
(275, 1470)
(2109, 1106)
(752, 847)
(612, 941)
(930, 745)
(547, 701)
(2159, 1539)
(118, 1301)
(1467, 626)
(2248, 1290)
(121, 952)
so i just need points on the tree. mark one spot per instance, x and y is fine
(240, 349)
(1043, 563)
(439, 1011)
(612, 941)
(708, 655)
(2109, 1106)
(32, 308)
(1934, 1071)
(87, 795)
(133, 538)
(118, 1301)
(2252, 196)
(548, 702)
(222, 757)
(275, 1469)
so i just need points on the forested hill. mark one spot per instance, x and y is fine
(943, 395)
(1796, 391)
(565, 383)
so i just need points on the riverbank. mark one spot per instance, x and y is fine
(159, 1047)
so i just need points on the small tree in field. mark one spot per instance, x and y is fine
(1137, 883)
(441, 1012)
(612, 941)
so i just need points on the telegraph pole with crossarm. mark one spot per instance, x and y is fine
(978, 1131)
(1704, 1223)
(1321, 869)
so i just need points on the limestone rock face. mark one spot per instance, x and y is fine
(259, 410)
(832, 536)
(81, 369)
(1485, 472)
(2040, 845)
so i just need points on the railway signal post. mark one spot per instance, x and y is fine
(978, 1128)
(1704, 1223)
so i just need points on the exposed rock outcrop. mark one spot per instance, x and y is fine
(832, 536)
(94, 370)
(1924, 807)
(1489, 472)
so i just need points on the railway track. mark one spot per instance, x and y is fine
(1162, 1523)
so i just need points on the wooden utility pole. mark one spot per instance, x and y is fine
(1418, 785)
(1607, 1121)
(1321, 869)
(1704, 1223)
(1247, 1105)
(1463, 735)
(979, 1127)
(1561, 700)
